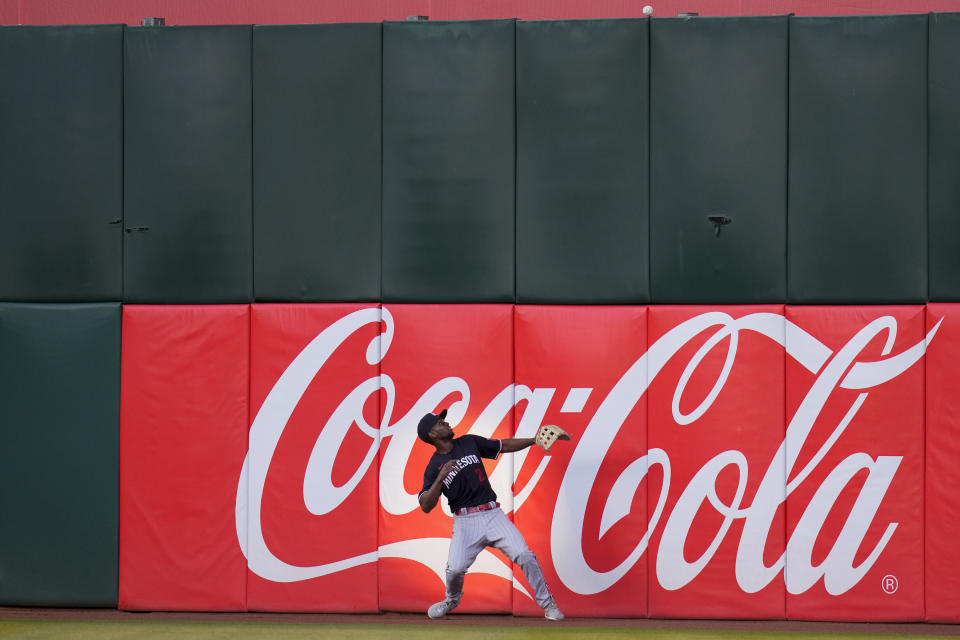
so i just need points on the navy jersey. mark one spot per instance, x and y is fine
(467, 484)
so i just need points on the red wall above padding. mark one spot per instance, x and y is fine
(185, 12)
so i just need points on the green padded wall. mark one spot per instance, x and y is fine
(316, 162)
(59, 426)
(448, 161)
(187, 165)
(858, 160)
(944, 157)
(718, 129)
(61, 163)
(582, 151)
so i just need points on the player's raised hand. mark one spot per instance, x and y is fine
(447, 468)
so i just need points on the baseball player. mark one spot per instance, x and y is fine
(455, 470)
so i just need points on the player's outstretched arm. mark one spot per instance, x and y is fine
(430, 497)
(516, 444)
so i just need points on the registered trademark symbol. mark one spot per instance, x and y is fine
(889, 584)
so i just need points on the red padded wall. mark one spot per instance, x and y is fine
(942, 558)
(581, 368)
(326, 510)
(313, 470)
(863, 405)
(183, 435)
(716, 407)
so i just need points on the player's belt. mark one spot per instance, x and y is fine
(480, 507)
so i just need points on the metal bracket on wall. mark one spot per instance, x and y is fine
(718, 222)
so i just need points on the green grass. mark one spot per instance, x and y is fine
(160, 630)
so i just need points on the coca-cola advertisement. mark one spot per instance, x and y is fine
(854, 463)
(582, 507)
(716, 412)
(724, 462)
(308, 492)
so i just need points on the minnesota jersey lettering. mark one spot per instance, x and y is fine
(462, 463)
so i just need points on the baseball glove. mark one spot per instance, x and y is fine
(548, 434)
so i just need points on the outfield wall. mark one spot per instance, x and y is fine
(183, 178)
(268, 458)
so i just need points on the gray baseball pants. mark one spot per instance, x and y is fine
(473, 532)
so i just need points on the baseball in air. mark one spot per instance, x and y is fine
(648, 10)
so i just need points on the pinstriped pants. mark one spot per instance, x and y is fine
(473, 532)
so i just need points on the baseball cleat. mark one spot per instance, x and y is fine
(442, 608)
(551, 612)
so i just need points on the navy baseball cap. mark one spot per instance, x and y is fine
(427, 422)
